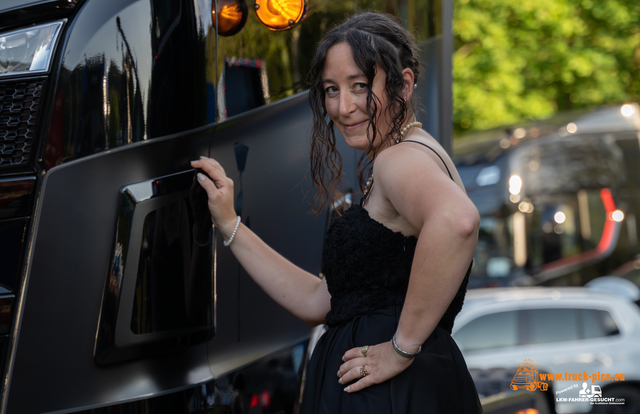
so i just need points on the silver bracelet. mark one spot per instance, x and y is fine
(404, 353)
(233, 235)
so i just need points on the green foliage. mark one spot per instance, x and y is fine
(519, 60)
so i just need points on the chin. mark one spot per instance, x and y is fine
(360, 143)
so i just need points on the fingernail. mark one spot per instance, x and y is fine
(342, 358)
(338, 373)
(201, 177)
(340, 381)
(203, 157)
(193, 162)
(347, 389)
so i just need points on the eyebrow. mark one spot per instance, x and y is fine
(350, 77)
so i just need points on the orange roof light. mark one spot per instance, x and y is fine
(280, 14)
(230, 16)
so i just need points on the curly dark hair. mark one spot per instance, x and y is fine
(377, 41)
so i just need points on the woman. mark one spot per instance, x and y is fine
(396, 266)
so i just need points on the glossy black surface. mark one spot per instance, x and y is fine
(268, 386)
(12, 245)
(16, 196)
(72, 252)
(16, 13)
(170, 272)
(69, 266)
(244, 79)
(159, 296)
(4, 347)
(131, 71)
(6, 312)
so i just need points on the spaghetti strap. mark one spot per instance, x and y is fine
(423, 144)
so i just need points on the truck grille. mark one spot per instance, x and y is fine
(19, 103)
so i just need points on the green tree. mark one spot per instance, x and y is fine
(527, 59)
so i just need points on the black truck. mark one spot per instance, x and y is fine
(116, 295)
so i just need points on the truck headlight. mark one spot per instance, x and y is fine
(28, 50)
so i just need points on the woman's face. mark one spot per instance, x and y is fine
(345, 97)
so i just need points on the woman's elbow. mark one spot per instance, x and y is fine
(466, 222)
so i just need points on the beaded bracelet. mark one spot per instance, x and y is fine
(404, 353)
(233, 235)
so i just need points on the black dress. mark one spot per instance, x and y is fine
(367, 267)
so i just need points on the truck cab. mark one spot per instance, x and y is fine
(116, 294)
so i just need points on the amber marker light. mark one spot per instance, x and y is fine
(280, 14)
(230, 16)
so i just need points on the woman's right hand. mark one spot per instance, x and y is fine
(300, 292)
(219, 190)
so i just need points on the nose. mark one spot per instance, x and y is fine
(346, 104)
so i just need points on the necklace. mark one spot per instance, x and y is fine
(407, 127)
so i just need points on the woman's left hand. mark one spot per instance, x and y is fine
(381, 364)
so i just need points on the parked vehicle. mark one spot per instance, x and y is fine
(563, 337)
(115, 294)
(558, 199)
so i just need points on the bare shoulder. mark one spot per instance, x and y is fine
(420, 151)
(412, 186)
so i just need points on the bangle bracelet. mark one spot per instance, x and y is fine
(233, 235)
(404, 353)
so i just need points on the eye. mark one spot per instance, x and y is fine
(360, 87)
(331, 91)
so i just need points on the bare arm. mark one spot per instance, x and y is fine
(300, 292)
(448, 232)
(446, 222)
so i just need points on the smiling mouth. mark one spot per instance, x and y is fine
(354, 126)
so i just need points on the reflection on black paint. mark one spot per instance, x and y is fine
(108, 94)
(174, 288)
(176, 102)
(276, 377)
(244, 86)
(160, 292)
(241, 152)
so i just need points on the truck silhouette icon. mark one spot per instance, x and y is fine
(527, 377)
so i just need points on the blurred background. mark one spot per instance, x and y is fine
(546, 136)
(546, 140)
(529, 59)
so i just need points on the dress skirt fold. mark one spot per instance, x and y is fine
(436, 382)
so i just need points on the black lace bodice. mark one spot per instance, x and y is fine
(367, 266)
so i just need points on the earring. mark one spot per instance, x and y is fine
(415, 85)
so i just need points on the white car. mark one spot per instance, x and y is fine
(581, 343)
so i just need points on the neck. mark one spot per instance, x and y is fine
(397, 138)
